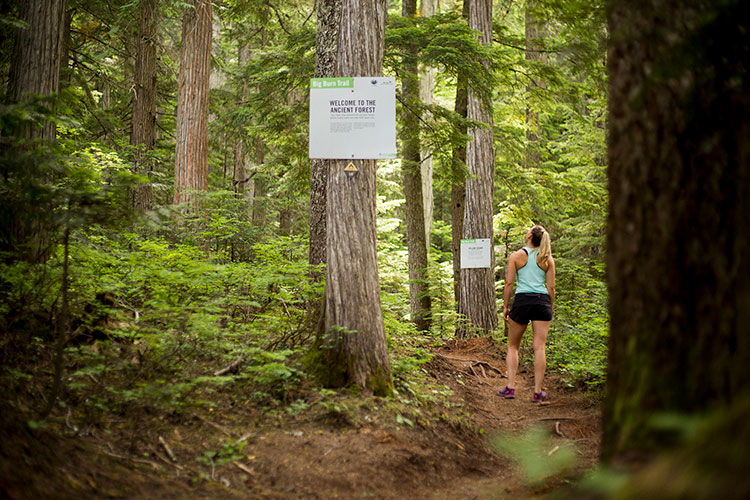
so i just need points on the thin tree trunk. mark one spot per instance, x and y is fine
(240, 176)
(679, 223)
(191, 155)
(477, 301)
(535, 30)
(143, 132)
(426, 88)
(419, 297)
(260, 186)
(458, 183)
(65, 41)
(260, 182)
(354, 346)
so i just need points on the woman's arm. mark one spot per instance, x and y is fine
(510, 278)
(551, 280)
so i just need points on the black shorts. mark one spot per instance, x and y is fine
(531, 307)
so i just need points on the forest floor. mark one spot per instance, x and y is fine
(343, 448)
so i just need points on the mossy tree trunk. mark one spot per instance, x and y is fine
(679, 225)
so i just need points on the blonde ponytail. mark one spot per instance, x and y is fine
(540, 238)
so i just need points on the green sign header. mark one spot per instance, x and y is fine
(332, 83)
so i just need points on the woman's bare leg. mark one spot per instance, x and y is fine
(515, 332)
(541, 329)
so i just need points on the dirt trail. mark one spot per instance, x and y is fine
(341, 452)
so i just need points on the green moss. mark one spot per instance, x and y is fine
(382, 384)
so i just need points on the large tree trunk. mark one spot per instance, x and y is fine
(143, 133)
(416, 239)
(35, 62)
(191, 155)
(458, 183)
(326, 54)
(679, 224)
(35, 71)
(477, 301)
(354, 347)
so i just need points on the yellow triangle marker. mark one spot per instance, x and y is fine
(351, 170)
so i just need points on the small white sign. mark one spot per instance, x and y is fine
(353, 118)
(476, 253)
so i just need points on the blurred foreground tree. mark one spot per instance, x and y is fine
(679, 224)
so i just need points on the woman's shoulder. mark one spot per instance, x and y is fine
(519, 256)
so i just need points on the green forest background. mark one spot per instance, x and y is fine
(111, 308)
(184, 288)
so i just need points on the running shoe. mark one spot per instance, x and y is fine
(507, 393)
(539, 397)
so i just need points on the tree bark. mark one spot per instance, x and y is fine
(679, 223)
(260, 182)
(35, 71)
(535, 32)
(354, 346)
(143, 132)
(326, 54)
(416, 237)
(65, 41)
(191, 155)
(458, 183)
(477, 301)
(260, 186)
(35, 62)
(426, 88)
(240, 175)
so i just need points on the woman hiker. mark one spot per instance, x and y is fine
(534, 301)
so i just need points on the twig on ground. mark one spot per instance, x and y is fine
(557, 429)
(223, 430)
(68, 424)
(474, 362)
(133, 459)
(244, 438)
(545, 419)
(230, 368)
(165, 460)
(244, 469)
(166, 447)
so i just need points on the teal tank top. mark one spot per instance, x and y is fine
(531, 278)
